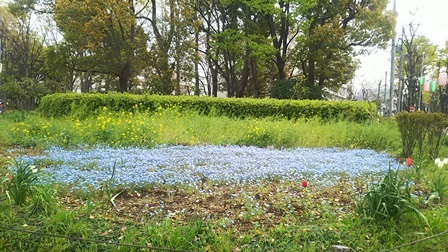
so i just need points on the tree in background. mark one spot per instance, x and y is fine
(170, 24)
(334, 29)
(420, 54)
(60, 67)
(105, 33)
(279, 48)
(238, 46)
(315, 39)
(442, 64)
(22, 56)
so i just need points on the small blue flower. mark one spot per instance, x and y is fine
(191, 164)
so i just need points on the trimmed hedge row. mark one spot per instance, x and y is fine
(83, 105)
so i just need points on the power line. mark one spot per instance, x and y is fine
(441, 25)
(417, 241)
(92, 240)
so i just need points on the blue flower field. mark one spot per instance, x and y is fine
(187, 165)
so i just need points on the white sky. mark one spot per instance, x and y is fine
(432, 18)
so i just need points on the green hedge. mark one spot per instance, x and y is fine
(82, 105)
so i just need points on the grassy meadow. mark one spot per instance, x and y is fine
(272, 215)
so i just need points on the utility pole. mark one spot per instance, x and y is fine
(400, 76)
(400, 85)
(378, 99)
(1, 62)
(419, 85)
(385, 94)
(392, 69)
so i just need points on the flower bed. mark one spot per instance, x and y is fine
(189, 165)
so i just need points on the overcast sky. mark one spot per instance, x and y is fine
(431, 16)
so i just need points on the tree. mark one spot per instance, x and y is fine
(285, 22)
(22, 46)
(442, 64)
(236, 46)
(209, 24)
(333, 30)
(106, 34)
(420, 53)
(22, 56)
(60, 67)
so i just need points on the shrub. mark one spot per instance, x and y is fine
(437, 124)
(83, 105)
(412, 127)
(421, 130)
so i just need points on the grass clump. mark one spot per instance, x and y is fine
(389, 200)
(20, 182)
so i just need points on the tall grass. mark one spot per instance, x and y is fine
(171, 127)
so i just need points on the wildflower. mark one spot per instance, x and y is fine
(408, 162)
(33, 168)
(445, 161)
(440, 163)
(304, 183)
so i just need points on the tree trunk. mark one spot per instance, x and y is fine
(255, 84)
(197, 91)
(244, 78)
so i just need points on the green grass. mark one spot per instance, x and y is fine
(226, 219)
(171, 127)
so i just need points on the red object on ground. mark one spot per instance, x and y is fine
(408, 161)
(304, 183)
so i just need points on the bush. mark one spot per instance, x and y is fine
(437, 124)
(83, 105)
(417, 127)
(288, 89)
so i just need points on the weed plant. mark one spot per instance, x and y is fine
(389, 200)
(20, 182)
(439, 186)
